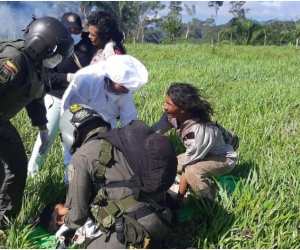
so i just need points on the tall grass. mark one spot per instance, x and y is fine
(255, 92)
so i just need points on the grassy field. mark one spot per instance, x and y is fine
(255, 92)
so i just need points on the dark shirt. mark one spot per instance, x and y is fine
(83, 51)
(21, 85)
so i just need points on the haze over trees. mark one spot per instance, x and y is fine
(141, 22)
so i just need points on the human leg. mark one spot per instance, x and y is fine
(15, 170)
(53, 117)
(199, 175)
(181, 159)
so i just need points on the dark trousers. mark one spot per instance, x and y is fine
(13, 170)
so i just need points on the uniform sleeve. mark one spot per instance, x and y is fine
(11, 71)
(127, 110)
(37, 112)
(77, 201)
(163, 125)
(57, 78)
(197, 147)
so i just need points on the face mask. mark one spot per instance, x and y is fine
(112, 97)
(76, 38)
(52, 61)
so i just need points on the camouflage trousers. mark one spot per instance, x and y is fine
(13, 170)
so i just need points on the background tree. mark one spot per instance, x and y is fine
(246, 30)
(147, 14)
(229, 33)
(296, 33)
(173, 21)
(190, 11)
(237, 9)
(216, 5)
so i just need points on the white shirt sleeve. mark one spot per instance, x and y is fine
(198, 147)
(88, 230)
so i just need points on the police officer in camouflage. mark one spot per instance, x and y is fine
(124, 220)
(23, 74)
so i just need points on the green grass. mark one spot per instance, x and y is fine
(255, 92)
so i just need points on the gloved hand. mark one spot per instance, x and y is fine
(59, 233)
(45, 138)
(70, 77)
(109, 49)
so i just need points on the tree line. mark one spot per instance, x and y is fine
(140, 22)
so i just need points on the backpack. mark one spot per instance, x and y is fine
(150, 155)
(229, 137)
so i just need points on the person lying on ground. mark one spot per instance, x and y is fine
(54, 215)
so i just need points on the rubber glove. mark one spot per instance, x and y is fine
(45, 138)
(70, 77)
(109, 49)
(59, 233)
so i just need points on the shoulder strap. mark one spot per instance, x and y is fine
(76, 60)
(105, 156)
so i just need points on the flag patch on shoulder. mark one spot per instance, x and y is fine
(11, 67)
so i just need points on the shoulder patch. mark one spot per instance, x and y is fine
(11, 67)
(71, 172)
(6, 73)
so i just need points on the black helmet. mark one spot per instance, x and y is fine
(75, 117)
(46, 37)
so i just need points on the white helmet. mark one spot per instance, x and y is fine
(75, 117)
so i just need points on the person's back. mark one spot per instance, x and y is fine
(95, 168)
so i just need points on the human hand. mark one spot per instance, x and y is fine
(70, 77)
(59, 233)
(45, 138)
(109, 49)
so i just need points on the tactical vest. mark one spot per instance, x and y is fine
(111, 213)
(13, 100)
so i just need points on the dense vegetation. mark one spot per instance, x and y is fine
(142, 21)
(255, 92)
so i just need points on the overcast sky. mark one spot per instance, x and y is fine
(259, 10)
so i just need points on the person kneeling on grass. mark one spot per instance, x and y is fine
(54, 215)
(210, 149)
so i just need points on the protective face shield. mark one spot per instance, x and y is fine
(77, 38)
(73, 118)
(45, 37)
(52, 61)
